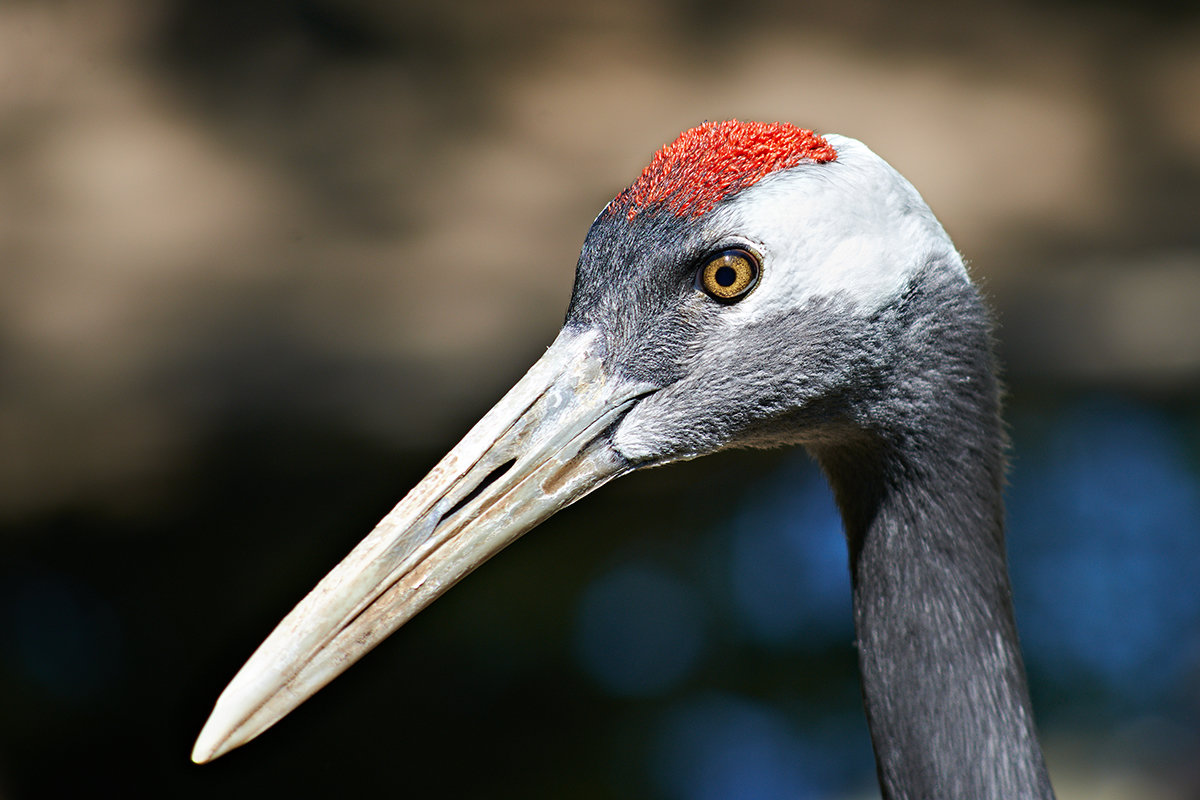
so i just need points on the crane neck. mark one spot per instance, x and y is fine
(921, 496)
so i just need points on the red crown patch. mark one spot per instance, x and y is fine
(714, 160)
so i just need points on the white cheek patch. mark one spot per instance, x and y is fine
(853, 229)
(863, 268)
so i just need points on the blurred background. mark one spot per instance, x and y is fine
(262, 262)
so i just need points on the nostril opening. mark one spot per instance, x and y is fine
(491, 478)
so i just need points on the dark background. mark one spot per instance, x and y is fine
(263, 262)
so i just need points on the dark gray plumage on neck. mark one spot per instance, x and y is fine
(919, 485)
(757, 286)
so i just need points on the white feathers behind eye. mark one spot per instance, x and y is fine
(853, 229)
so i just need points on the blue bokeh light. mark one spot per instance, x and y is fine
(718, 747)
(639, 630)
(1104, 535)
(789, 570)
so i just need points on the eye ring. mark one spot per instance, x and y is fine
(728, 275)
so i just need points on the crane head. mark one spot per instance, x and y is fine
(732, 296)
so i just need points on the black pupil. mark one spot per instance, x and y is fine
(725, 276)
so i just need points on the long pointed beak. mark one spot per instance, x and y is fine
(542, 447)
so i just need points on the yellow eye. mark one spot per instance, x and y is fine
(729, 275)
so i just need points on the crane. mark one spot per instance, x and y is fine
(758, 285)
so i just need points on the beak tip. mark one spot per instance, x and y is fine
(216, 738)
(208, 745)
(243, 710)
